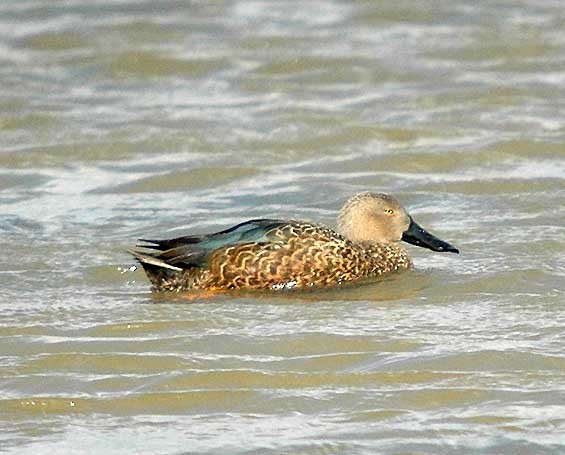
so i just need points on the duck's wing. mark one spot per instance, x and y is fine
(194, 250)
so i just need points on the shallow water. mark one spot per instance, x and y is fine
(127, 119)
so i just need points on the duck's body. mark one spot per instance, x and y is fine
(268, 254)
(282, 254)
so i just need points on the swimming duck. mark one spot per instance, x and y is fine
(282, 254)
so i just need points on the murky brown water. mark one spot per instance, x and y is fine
(127, 119)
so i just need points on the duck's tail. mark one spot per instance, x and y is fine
(149, 261)
(158, 271)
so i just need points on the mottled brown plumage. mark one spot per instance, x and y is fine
(279, 254)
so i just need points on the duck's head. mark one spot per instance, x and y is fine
(379, 218)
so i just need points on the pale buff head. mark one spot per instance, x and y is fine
(374, 218)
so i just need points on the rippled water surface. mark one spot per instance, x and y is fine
(122, 119)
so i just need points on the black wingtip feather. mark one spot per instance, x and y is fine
(152, 244)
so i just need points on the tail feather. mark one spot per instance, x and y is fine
(171, 243)
(144, 258)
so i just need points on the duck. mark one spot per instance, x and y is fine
(276, 254)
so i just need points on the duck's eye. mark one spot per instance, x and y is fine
(389, 211)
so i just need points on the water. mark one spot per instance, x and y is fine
(127, 119)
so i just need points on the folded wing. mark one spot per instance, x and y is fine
(195, 250)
